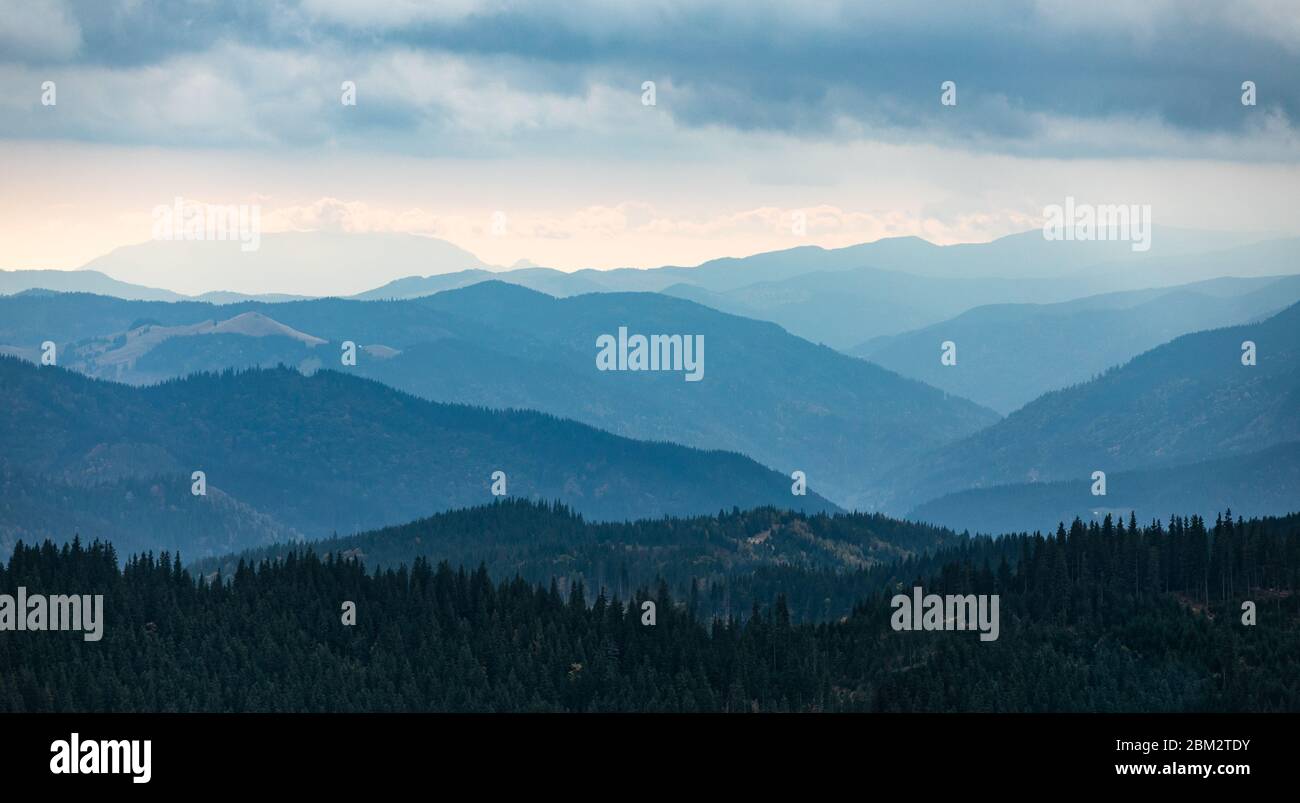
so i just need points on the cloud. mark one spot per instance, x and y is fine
(348, 217)
(393, 14)
(39, 30)
(825, 223)
(482, 77)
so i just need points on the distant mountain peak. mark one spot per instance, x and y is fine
(339, 263)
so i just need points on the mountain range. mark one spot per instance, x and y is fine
(1010, 354)
(335, 453)
(1145, 383)
(841, 297)
(1263, 483)
(781, 400)
(1190, 400)
(339, 263)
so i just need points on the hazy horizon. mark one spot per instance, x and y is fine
(221, 267)
(823, 126)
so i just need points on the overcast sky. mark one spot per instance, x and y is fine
(464, 109)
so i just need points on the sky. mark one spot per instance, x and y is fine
(521, 131)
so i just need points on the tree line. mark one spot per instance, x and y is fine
(1097, 617)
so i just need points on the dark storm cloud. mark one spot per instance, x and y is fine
(809, 69)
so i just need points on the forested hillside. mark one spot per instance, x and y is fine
(1099, 618)
(331, 453)
(1263, 483)
(762, 392)
(723, 563)
(138, 514)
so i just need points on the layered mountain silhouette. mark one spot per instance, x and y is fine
(335, 453)
(844, 296)
(787, 403)
(1264, 483)
(1187, 401)
(1134, 382)
(13, 282)
(136, 514)
(341, 263)
(841, 296)
(1010, 354)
